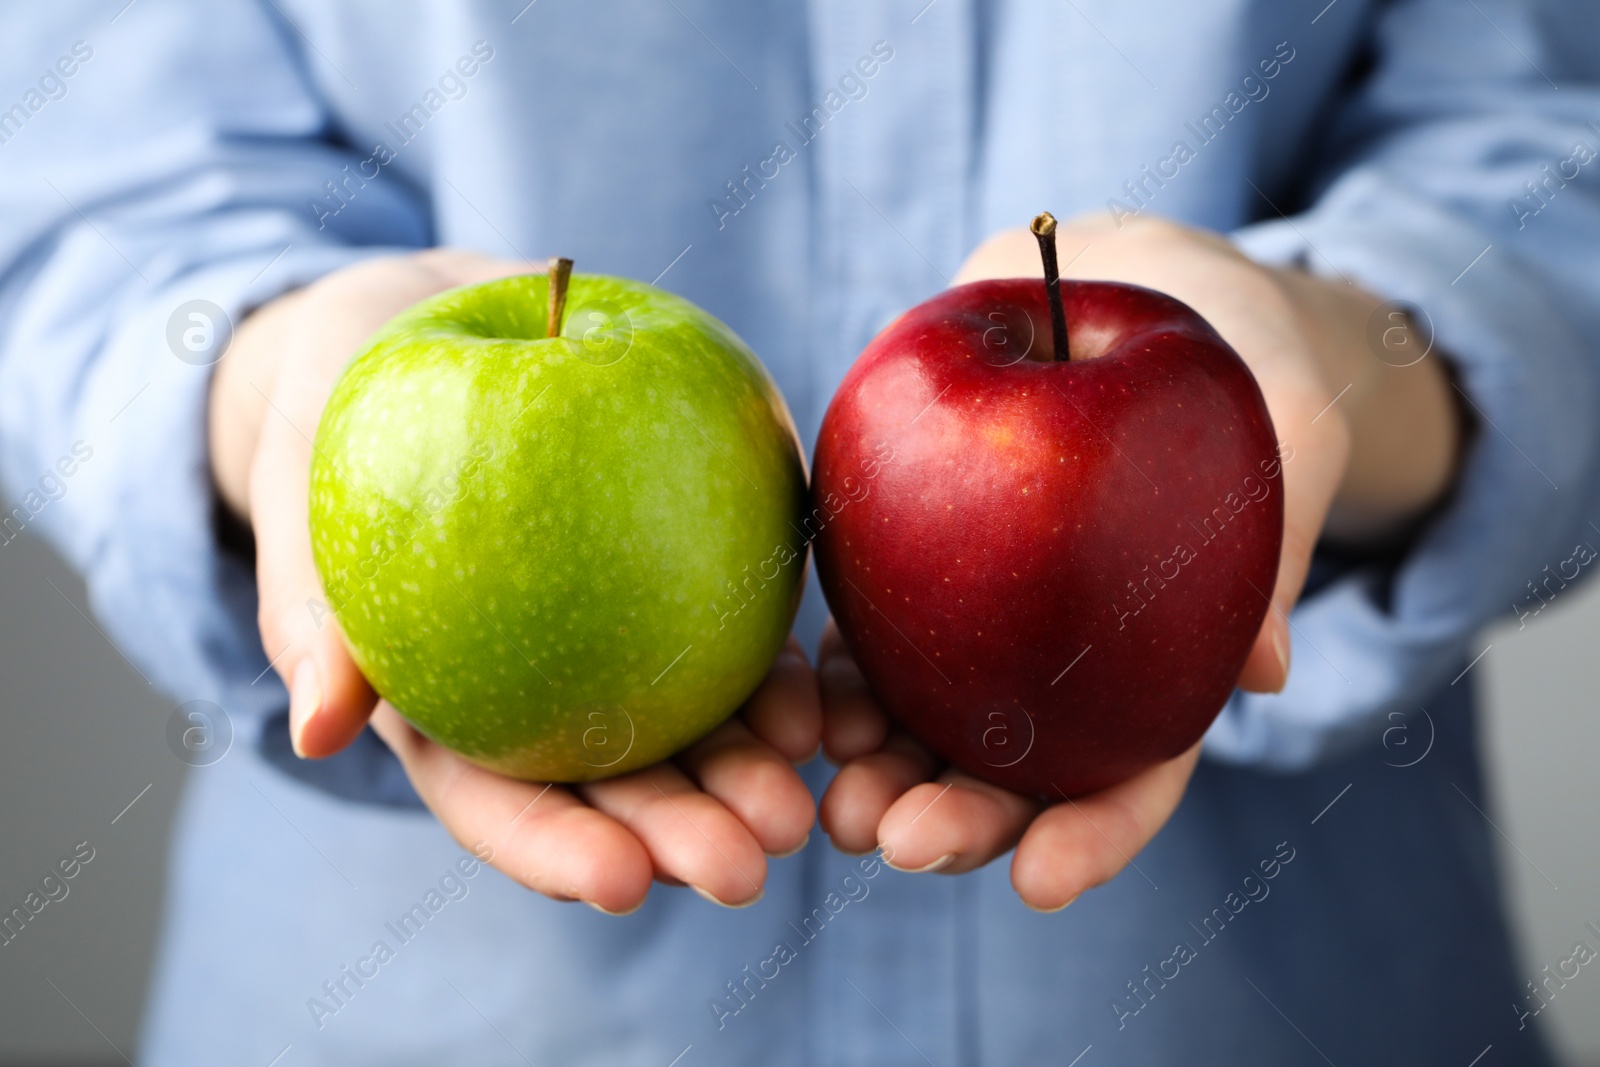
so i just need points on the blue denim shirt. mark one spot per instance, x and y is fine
(805, 172)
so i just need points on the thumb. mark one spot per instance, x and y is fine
(329, 699)
(1312, 470)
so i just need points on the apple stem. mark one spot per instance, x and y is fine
(1044, 228)
(560, 269)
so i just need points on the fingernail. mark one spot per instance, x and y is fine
(614, 914)
(1280, 648)
(938, 864)
(785, 855)
(791, 656)
(724, 904)
(305, 699)
(1058, 907)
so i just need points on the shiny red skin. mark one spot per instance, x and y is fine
(980, 523)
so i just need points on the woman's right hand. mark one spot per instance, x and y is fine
(708, 818)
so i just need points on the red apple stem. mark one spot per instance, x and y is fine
(1044, 228)
(560, 269)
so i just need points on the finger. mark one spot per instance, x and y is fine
(1081, 843)
(785, 712)
(1266, 668)
(1316, 449)
(865, 788)
(540, 835)
(853, 724)
(955, 824)
(689, 835)
(329, 700)
(756, 783)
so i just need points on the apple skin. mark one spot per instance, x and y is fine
(1127, 502)
(529, 543)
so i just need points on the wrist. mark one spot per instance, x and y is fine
(1401, 410)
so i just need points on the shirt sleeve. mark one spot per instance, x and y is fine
(1459, 180)
(156, 184)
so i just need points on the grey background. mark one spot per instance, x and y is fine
(84, 735)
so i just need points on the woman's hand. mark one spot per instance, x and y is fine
(709, 818)
(892, 793)
(1367, 446)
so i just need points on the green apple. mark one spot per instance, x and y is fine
(563, 557)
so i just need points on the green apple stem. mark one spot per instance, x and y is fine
(1044, 228)
(560, 269)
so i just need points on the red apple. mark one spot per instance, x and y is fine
(1049, 570)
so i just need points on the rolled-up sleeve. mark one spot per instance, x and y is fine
(1457, 179)
(170, 166)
